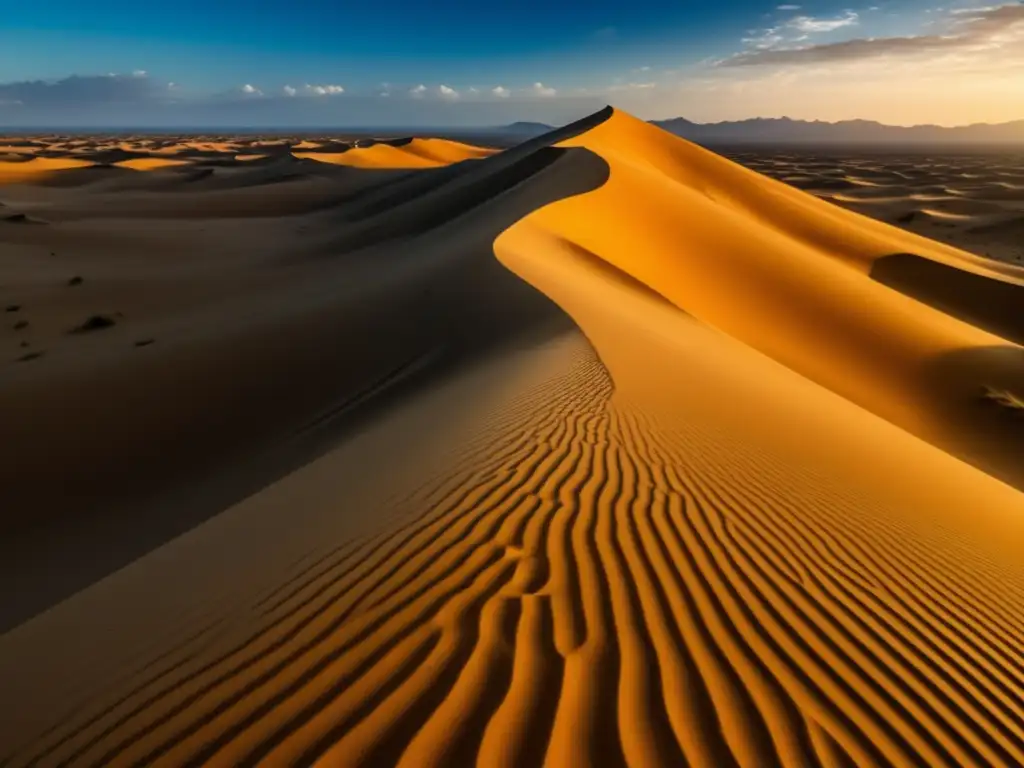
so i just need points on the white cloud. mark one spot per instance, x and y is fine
(787, 7)
(139, 73)
(323, 90)
(812, 25)
(251, 90)
(418, 90)
(447, 92)
(542, 90)
(764, 39)
(501, 92)
(290, 90)
(795, 30)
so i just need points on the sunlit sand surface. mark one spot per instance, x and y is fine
(36, 167)
(603, 450)
(150, 163)
(418, 153)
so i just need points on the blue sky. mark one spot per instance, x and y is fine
(450, 63)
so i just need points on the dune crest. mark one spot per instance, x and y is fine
(773, 267)
(598, 451)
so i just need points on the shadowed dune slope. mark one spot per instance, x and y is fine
(720, 518)
(269, 339)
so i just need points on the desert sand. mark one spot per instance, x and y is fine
(973, 200)
(602, 450)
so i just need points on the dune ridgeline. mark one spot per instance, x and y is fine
(601, 450)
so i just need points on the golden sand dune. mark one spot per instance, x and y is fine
(599, 451)
(36, 167)
(417, 153)
(150, 163)
(914, 192)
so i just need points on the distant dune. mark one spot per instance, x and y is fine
(417, 153)
(601, 450)
(971, 199)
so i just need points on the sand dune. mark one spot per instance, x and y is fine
(150, 163)
(36, 167)
(947, 199)
(417, 153)
(602, 450)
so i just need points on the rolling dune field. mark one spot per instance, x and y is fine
(600, 450)
(973, 200)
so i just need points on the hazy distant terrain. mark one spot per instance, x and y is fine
(786, 131)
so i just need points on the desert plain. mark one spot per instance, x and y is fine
(603, 449)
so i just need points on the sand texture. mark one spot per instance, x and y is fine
(602, 450)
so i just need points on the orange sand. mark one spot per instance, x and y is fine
(419, 153)
(711, 483)
(37, 167)
(150, 163)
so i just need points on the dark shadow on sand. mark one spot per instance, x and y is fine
(990, 435)
(61, 533)
(993, 305)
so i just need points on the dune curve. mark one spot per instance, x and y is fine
(685, 491)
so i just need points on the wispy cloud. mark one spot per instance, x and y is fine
(501, 92)
(764, 39)
(984, 30)
(418, 91)
(539, 89)
(812, 25)
(632, 86)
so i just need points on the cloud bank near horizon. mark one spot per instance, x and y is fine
(139, 100)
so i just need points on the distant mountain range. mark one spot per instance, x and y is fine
(784, 130)
(523, 128)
